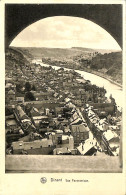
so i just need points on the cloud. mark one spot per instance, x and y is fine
(64, 31)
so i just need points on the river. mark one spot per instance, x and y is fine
(110, 87)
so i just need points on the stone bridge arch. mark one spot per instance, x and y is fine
(19, 16)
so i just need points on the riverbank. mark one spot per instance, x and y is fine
(100, 74)
(112, 88)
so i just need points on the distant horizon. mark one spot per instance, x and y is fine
(66, 48)
(65, 32)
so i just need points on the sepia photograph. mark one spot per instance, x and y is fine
(63, 88)
(62, 97)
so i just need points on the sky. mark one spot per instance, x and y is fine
(65, 32)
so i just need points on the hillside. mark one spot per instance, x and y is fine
(57, 53)
(14, 59)
(111, 64)
(101, 51)
(106, 64)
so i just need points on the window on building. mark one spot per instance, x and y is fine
(59, 140)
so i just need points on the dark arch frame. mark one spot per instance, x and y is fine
(19, 16)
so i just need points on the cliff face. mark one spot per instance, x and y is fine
(14, 59)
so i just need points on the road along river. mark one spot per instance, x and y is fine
(110, 87)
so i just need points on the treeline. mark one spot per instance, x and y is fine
(110, 64)
(107, 60)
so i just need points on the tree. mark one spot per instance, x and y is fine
(29, 96)
(33, 88)
(18, 87)
(27, 86)
(8, 111)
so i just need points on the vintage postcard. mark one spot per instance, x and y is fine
(62, 97)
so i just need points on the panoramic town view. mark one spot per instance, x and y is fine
(63, 96)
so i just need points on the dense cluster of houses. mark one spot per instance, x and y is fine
(57, 112)
(106, 133)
